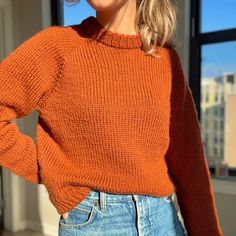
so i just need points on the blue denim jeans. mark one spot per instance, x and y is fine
(108, 214)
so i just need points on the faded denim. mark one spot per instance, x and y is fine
(107, 214)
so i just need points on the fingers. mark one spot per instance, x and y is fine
(65, 216)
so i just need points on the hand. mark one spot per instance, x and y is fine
(65, 215)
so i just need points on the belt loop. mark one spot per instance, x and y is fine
(102, 198)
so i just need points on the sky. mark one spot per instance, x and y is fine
(76, 13)
(216, 15)
(220, 57)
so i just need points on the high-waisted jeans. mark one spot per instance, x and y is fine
(108, 214)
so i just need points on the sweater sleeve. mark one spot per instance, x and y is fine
(186, 160)
(27, 76)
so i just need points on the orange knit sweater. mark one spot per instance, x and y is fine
(110, 118)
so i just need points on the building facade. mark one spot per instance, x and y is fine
(217, 112)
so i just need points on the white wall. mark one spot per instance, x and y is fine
(182, 30)
(26, 205)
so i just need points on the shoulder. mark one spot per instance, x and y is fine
(52, 41)
(179, 84)
(171, 56)
(173, 65)
(65, 38)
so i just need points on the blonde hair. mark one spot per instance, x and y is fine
(156, 23)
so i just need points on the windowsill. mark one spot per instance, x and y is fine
(225, 185)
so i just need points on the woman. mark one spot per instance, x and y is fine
(117, 133)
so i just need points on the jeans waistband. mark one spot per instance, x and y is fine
(110, 197)
(104, 197)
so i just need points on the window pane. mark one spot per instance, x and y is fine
(217, 15)
(75, 13)
(218, 102)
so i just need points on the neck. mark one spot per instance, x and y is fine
(120, 21)
(94, 30)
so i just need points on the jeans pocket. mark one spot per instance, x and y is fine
(81, 215)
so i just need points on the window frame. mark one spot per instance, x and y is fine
(197, 39)
(57, 11)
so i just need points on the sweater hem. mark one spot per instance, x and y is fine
(65, 197)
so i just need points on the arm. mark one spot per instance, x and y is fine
(27, 76)
(186, 160)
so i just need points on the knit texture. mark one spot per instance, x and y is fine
(110, 118)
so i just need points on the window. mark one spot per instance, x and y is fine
(216, 140)
(65, 13)
(215, 150)
(213, 66)
(222, 111)
(222, 126)
(216, 97)
(221, 151)
(231, 79)
(222, 140)
(212, 18)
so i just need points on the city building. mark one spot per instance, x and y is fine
(217, 115)
(230, 130)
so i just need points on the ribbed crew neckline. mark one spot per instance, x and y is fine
(96, 31)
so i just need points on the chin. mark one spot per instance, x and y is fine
(100, 5)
